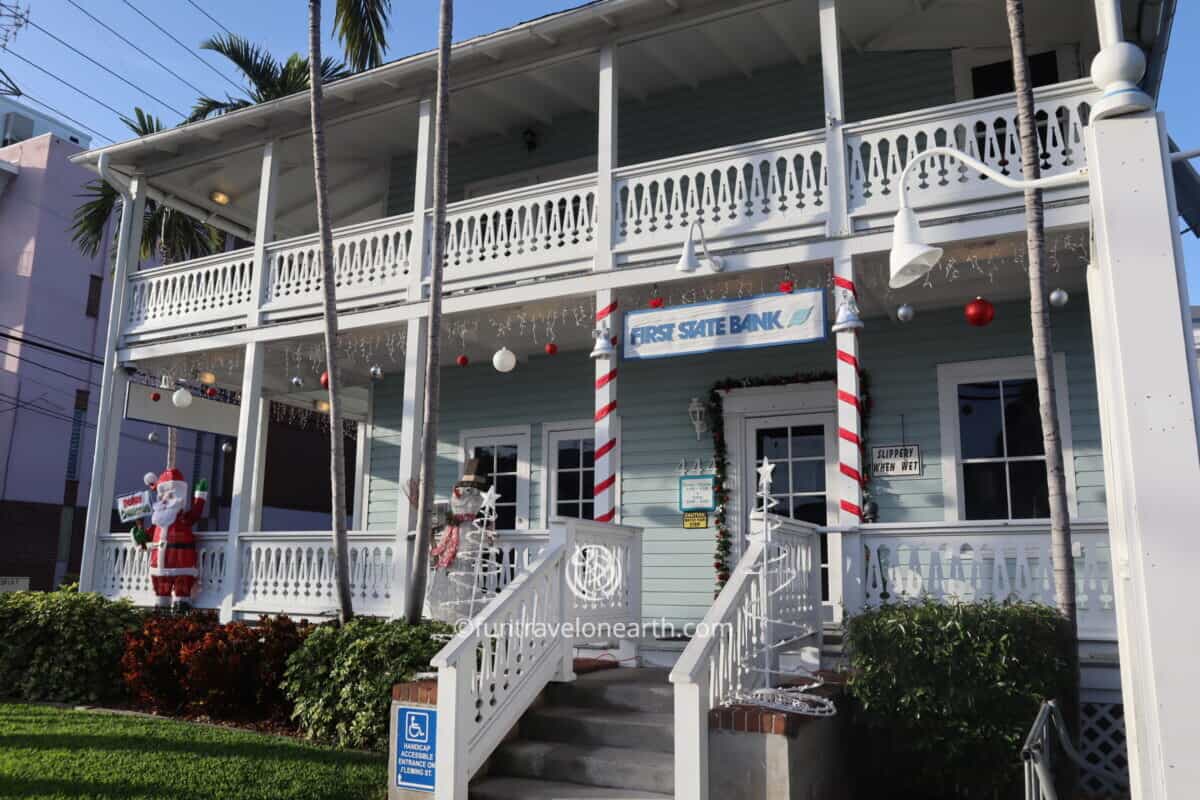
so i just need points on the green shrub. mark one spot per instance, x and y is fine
(63, 646)
(947, 692)
(340, 680)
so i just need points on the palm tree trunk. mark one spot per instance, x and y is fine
(415, 596)
(337, 465)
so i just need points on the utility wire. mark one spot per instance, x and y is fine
(215, 21)
(31, 362)
(114, 32)
(63, 81)
(86, 355)
(60, 351)
(64, 115)
(116, 75)
(193, 53)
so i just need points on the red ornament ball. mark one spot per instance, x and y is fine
(211, 391)
(787, 286)
(462, 361)
(155, 396)
(325, 380)
(979, 312)
(656, 302)
(551, 348)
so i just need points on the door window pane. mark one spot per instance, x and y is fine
(980, 425)
(808, 441)
(568, 454)
(772, 443)
(809, 509)
(985, 490)
(506, 458)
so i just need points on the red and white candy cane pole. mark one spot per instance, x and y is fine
(849, 403)
(605, 489)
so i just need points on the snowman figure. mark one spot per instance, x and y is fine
(454, 552)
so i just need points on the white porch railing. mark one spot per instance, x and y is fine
(491, 672)
(971, 561)
(773, 597)
(879, 149)
(770, 191)
(124, 569)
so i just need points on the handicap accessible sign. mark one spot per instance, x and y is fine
(762, 321)
(416, 748)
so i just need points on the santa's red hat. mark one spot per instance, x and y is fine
(173, 478)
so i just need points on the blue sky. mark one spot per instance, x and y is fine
(281, 25)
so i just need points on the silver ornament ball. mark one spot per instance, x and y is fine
(297, 381)
(905, 313)
(376, 372)
(152, 437)
(227, 447)
(1059, 298)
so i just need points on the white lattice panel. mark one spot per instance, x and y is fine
(1102, 742)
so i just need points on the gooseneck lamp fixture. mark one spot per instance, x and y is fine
(688, 262)
(911, 257)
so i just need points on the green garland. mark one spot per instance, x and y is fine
(716, 416)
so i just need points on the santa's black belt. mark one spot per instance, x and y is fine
(181, 546)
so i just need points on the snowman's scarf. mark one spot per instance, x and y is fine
(443, 553)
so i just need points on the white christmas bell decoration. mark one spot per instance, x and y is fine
(150, 478)
(504, 360)
(182, 398)
(297, 382)
(1059, 298)
(905, 313)
(847, 317)
(604, 346)
(151, 437)
(376, 372)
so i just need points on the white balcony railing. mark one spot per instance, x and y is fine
(769, 191)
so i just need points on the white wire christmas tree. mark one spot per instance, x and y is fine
(776, 574)
(473, 577)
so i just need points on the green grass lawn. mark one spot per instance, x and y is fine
(56, 753)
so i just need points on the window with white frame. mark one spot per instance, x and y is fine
(571, 471)
(503, 461)
(993, 461)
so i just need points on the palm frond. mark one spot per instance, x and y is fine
(142, 124)
(361, 27)
(252, 60)
(90, 220)
(211, 107)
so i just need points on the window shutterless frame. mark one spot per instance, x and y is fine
(554, 433)
(517, 436)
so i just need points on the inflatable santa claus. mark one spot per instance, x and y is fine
(173, 568)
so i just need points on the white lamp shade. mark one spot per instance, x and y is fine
(504, 360)
(182, 398)
(687, 259)
(911, 259)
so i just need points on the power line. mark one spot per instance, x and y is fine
(30, 361)
(63, 81)
(194, 55)
(116, 75)
(105, 25)
(84, 353)
(53, 349)
(210, 16)
(64, 115)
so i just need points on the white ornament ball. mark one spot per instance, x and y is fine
(151, 437)
(182, 398)
(297, 381)
(504, 360)
(150, 478)
(226, 447)
(376, 372)
(1059, 298)
(905, 313)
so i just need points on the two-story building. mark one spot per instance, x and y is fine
(663, 216)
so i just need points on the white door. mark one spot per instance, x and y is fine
(803, 448)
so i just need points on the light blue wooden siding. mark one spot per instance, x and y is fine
(384, 494)
(656, 432)
(781, 100)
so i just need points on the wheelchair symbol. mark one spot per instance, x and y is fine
(416, 727)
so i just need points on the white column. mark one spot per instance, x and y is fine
(1146, 382)
(605, 490)
(1118, 67)
(416, 346)
(606, 158)
(113, 386)
(362, 462)
(260, 465)
(838, 223)
(422, 198)
(264, 230)
(849, 422)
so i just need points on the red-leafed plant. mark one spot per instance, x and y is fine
(151, 665)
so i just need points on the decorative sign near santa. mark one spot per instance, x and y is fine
(172, 544)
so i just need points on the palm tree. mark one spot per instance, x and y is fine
(268, 77)
(171, 235)
(1043, 349)
(361, 25)
(415, 597)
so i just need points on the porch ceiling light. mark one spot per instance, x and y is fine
(911, 258)
(219, 197)
(688, 262)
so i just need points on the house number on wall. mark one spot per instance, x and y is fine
(895, 460)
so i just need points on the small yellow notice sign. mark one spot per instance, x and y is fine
(695, 519)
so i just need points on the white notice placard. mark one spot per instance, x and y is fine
(895, 460)
(762, 321)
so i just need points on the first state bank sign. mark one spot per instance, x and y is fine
(762, 321)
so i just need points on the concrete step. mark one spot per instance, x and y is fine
(616, 767)
(625, 689)
(598, 726)
(526, 789)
